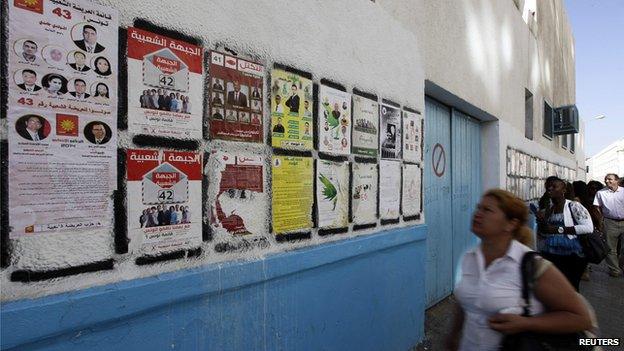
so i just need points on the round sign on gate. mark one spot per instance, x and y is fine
(438, 160)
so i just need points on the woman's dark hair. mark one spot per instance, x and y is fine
(96, 69)
(45, 81)
(569, 193)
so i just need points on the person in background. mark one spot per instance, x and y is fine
(610, 202)
(173, 215)
(143, 217)
(557, 232)
(173, 102)
(581, 190)
(490, 288)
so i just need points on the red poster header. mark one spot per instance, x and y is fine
(141, 43)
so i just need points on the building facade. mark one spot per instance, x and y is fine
(486, 76)
(608, 160)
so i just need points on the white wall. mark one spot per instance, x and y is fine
(354, 42)
(608, 160)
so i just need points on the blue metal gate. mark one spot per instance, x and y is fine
(452, 188)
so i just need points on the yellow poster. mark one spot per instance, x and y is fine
(292, 193)
(291, 111)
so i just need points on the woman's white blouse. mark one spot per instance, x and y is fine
(484, 292)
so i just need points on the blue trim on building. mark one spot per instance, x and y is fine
(364, 293)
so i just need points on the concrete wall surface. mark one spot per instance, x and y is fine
(364, 293)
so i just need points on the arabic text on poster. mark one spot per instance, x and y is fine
(412, 136)
(365, 141)
(390, 132)
(334, 121)
(291, 111)
(364, 193)
(411, 190)
(389, 189)
(332, 194)
(292, 193)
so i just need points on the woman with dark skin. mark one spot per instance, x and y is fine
(557, 233)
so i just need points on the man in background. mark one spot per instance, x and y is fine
(610, 202)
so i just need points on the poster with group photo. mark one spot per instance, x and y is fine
(62, 171)
(164, 200)
(63, 57)
(412, 136)
(165, 86)
(235, 95)
(334, 121)
(238, 202)
(411, 199)
(291, 111)
(332, 194)
(390, 131)
(292, 185)
(364, 193)
(389, 189)
(364, 139)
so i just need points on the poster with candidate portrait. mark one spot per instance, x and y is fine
(164, 200)
(411, 198)
(334, 121)
(332, 194)
(364, 139)
(165, 86)
(390, 131)
(412, 136)
(238, 202)
(389, 189)
(62, 171)
(364, 193)
(291, 111)
(63, 57)
(236, 92)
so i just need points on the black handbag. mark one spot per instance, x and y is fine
(530, 341)
(594, 244)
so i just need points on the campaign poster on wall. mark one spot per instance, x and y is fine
(62, 171)
(291, 111)
(412, 136)
(332, 194)
(364, 193)
(389, 189)
(335, 121)
(236, 192)
(164, 200)
(63, 57)
(165, 86)
(365, 141)
(292, 193)
(411, 198)
(235, 96)
(390, 131)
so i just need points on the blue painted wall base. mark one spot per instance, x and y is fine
(365, 293)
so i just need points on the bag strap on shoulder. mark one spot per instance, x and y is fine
(527, 272)
(572, 213)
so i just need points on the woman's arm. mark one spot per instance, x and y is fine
(452, 342)
(565, 311)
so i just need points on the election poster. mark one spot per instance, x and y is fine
(62, 172)
(63, 57)
(364, 193)
(238, 202)
(365, 126)
(292, 193)
(390, 131)
(165, 86)
(332, 194)
(411, 199)
(164, 200)
(389, 189)
(412, 136)
(291, 111)
(236, 96)
(335, 121)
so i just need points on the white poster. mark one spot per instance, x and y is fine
(390, 131)
(364, 139)
(238, 202)
(411, 190)
(389, 189)
(165, 86)
(332, 194)
(62, 122)
(164, 200)
(412, 136)
(334, 121)
(364, 193)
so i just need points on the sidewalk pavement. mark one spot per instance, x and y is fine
(605, 293)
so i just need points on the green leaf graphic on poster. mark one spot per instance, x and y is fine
(329, 190)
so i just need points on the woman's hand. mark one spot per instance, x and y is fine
(509, 323)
